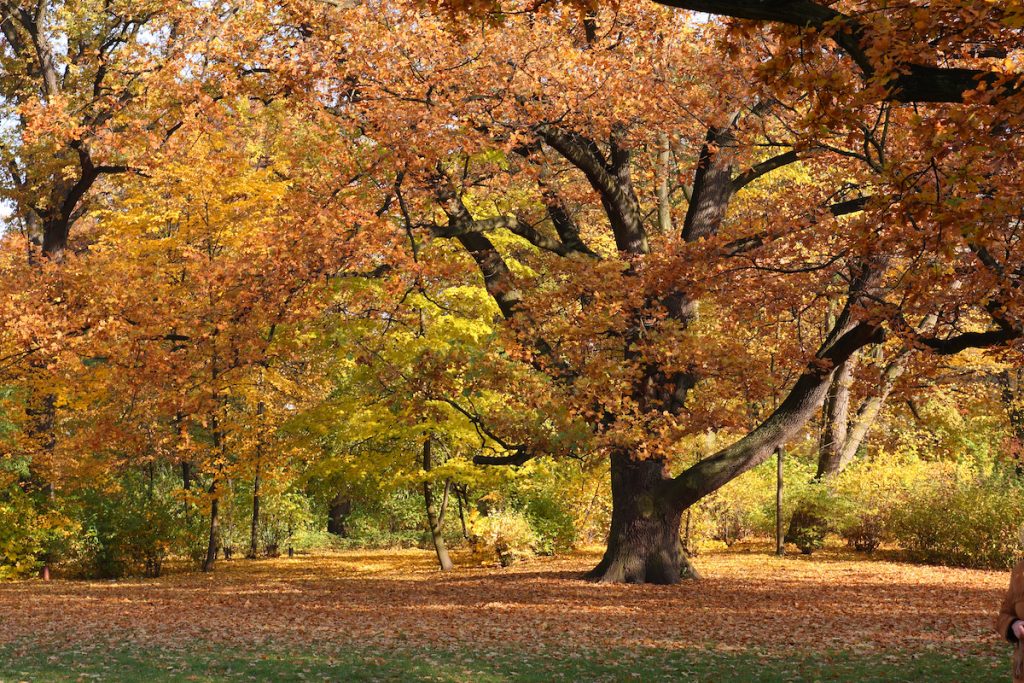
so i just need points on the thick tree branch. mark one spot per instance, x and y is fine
(849, 206)
(513, 224)
(744, 245)
(763, 168)
(802, 402)
(519, 455)
(518, 458)
(609, 179)
(971, 340)
(564, 224)
(907, 82)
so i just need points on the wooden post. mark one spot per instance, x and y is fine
(780, 541)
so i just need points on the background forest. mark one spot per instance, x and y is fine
(282, 277)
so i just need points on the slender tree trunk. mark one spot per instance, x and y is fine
(643, 544)
(1012, 395)
(459, 495)
(186, 484)
(255, 525)
(186, 465)
(435, 518)
(214, 542)
(211, 548)
(42, 416)
(842, 437)
(664, 184)
(832, 444)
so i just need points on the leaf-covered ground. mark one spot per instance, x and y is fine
(390, 615)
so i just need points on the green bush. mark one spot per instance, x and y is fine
(872, 488)
(552, 524)
(281, 518)
(395, 520)
(816, 513)
(136, 524)
(20, 545)
(966, 522)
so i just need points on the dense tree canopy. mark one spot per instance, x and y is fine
(303, 238)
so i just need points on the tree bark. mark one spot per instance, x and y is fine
(842, 437)
(905, 81)
(835, 428)
(211, 548)
(644, 544)
(186, 475)
(339, 510)
(664, 184)
(1012, 395)
(712, 186)
(435, 518)
(460, 495)
(255, 525)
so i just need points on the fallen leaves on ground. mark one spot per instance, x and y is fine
(396, 598)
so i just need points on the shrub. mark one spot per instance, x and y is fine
(136, 524)
(864, 530)
(972, 522)
(395, 520)
(281, 518)
(20, 545)
(871, 489)
(816, 512)
(506, 533)
(552, 524)
(29, 538)
(746, 507)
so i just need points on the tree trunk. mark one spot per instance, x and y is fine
(664, 184)
(643, 544)
(338, 511)
(1012, 395)
(835, 429)
(434, 518)
(211, 548)
(842, 437)
(712, 186)
(832, 445)
(255, 526)
(459, 496)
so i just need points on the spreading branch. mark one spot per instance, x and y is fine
(804, 399)
(906, 82)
